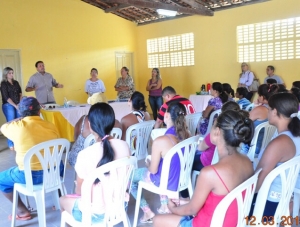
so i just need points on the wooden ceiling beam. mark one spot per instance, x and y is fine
(193, 4)
(240, 4)
(115, 8)
(160, 5)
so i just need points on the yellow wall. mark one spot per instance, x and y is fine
(215, 46)
(71, 37)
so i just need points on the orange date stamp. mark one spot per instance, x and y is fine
(270, 220)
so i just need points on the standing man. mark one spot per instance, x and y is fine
(169, 95)
(42, 83)
(25, 132)
(270, 72)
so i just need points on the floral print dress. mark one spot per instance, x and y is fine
(128, 81)
(217, 104)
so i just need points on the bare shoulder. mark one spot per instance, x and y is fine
(120, 147)
(147, 116)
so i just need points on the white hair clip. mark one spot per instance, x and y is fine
(294, 115)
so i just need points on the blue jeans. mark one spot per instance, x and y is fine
(10, 113)
(13, 175)
(155, 103)
(77, 214)
(186, 221)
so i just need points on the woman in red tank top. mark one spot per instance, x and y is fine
(216, 181)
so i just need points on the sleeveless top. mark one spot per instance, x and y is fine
(275, 188)
(77, 146)
(174, 173)
(204, 216)
(156, 92)
(140, 116)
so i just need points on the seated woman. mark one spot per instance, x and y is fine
(138, 114)
(296, 91)
(283, 110)
(219, 98)
(106, 149)
(81, 131)
(229, 91)
(216, 181)
(176, 131)
(259, 114)
(241, 94)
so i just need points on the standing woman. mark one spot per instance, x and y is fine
(11, 93)
(94, 85)
(124, 85)
(154, 86)
(246, 79)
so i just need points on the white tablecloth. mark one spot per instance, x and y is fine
(73, 114)
(200, 101)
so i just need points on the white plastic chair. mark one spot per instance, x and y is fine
(116, 133)
(88, 140)
(211, 120)
(49, 154)
(288, 173)
(196, 173)
(243, 203)
(186, 163)
(143, 131)
(114, 187)
(268, 134)
(192, 122)
(249, 107)
(296, 202)
(72, 103)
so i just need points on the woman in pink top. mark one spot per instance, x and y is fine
(216, 181)
(106, 149)
(154, 86)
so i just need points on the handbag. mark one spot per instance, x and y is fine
(255, 84)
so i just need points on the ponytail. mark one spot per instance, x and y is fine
(294, 126)
(181, 127)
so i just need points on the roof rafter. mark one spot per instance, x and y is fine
(160, 5)
(115, 8)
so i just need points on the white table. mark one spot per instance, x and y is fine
(200, 101)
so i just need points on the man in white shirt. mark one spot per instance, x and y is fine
(270, 72)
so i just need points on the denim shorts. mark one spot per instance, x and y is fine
(77, 214)
(186, 221)
(13, 175)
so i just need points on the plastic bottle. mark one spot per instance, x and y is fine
(208, 87)
(65, 103)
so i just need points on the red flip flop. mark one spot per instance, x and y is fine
(19, 218)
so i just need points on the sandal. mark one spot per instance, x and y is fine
(20, 218)
(162, 211)
(148, 221)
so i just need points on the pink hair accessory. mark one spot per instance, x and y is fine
(105, 137)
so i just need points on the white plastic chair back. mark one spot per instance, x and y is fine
(114, 187)
(143, 131)
(116, 133)
(192, 122)
(243, 203)
(249, 107)
(186, 163)
(215, 158)
(72, 103)
(49, 154)
(211, 120)
(269, 132)
(88, 140)
(289, 173)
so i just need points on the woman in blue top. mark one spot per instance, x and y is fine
(176, 131)
(219, 98)
(283, 111)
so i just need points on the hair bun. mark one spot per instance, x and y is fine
(180, 113)
(247, 121)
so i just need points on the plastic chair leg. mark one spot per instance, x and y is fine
(40, 204)
(137, 206)
(55, 199)
(296, 204)
(14, 208)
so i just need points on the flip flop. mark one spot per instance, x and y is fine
(148, 221)
(19, 218)
(162, 212)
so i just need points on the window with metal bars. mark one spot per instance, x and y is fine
(268, 41)
(171, 51)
